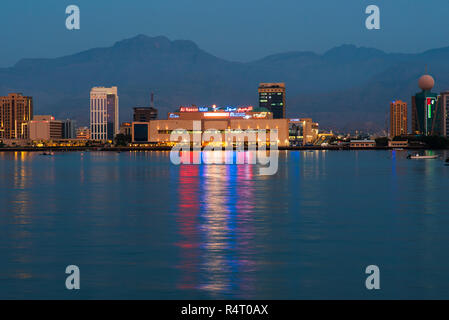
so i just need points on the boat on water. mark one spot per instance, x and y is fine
(418, 156)
(49, 153)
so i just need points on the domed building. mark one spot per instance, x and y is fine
(427, 113)
(426, 82)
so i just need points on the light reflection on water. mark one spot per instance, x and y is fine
(216, 224)
(140, 227)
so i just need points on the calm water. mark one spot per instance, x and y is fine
(139, 227)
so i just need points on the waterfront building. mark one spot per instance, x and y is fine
(104, 113)
(398, 118)
(427, 115)
(398, 144)
(16, 111)
(444, 102)
(302, 131)
(83, 133)
(362, 143)
(272, 97)
(45, 128)
(68, 129)
(236, 119)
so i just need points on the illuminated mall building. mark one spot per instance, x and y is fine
(217, 119)
(427, 111)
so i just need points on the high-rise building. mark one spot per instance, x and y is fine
(16, 111)
(104, 111)
(398, 118)
(144, 114)
(45, 128)
(427, 115)
(272, 97)
(444, 102)
(68, 129)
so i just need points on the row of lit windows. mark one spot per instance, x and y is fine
(210, 131)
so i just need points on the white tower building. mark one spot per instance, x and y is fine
(104, 122)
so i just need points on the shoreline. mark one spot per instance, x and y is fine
(161, 148)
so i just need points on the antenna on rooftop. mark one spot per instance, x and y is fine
(152, 100)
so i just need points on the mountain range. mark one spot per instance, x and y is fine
(346, 88)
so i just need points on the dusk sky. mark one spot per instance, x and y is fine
(239, 30)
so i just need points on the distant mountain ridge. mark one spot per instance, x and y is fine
(347, 87)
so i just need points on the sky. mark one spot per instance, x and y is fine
(238, 30)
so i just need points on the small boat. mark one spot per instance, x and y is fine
(49, 153)
(417, 156)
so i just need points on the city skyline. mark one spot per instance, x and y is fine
(346, 79)
(429, 118)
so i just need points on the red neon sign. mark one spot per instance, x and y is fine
(188, 109)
